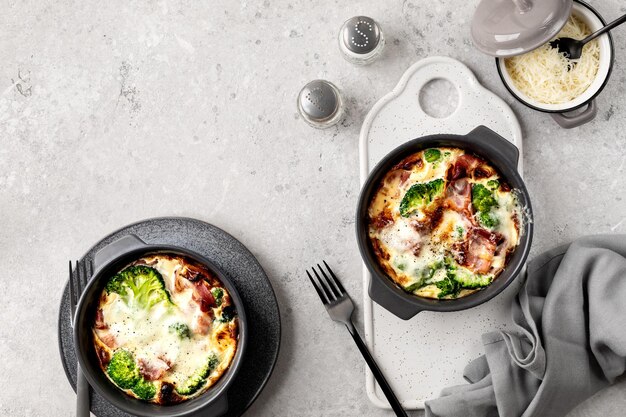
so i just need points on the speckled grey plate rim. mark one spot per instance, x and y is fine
(101, 407)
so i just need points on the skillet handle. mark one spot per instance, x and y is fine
(217, 408)
(385, 297)
(113, 249)
(491, 140)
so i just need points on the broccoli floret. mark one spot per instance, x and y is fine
(139, 286)
(420, 195)
(212, 363)
(123, 370)
(144, 389)
(181, 329)
(192, 384)
(482, 198)
(469, 280)
(488, 220)
(125, 373)
(465, 278)
(228, 313)
(218, 294)
(483, 201)
(414, 286)
(447, 286)
(460, 231)
(425, 276)
(432, 155)
(493, 184)
(199, 377)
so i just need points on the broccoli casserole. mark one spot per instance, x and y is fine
(443, 223)
(165, 329)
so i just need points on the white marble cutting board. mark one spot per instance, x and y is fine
(422, 355)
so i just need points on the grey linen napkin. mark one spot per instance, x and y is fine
(568, 342)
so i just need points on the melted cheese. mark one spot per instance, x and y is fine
(410, 251)
(146, 333)
(548, 76)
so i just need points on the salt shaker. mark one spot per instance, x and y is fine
(361, 40)
(320, 104)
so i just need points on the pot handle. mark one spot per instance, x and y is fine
(568, 122)
(490, 139)
(385, 297)
(113, 249)
(217, 408)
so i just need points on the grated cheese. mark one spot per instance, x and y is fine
(548, 76)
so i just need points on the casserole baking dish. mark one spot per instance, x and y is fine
(107, 262)
(503, 156)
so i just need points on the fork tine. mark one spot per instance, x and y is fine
(336, 280)
(329, 293)
(81, 277)
(89, 272)
(319, 292)
(332, 287)
(86, 274)
(72, 286)
(80, 266)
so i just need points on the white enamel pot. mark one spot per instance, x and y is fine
(585, 103)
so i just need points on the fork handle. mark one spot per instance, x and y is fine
(82, 394)
(378, 374)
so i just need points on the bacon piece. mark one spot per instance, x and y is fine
(493, 237)
(202, 295)
(481, 248)
(99, 321)
(380, 252)
(483, 171)
(459, 250)
(152, 369)
(458, 196)
(409, 162)
(103, 355)
(470, 166)
(416, 249)
(382, 219)
(109, 340)
(180, 283)
(193, 272)
(404, 176)
(421, 227)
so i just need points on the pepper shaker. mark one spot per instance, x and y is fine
(320, 104)
(361, 40)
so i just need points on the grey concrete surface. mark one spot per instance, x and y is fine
(116, 111)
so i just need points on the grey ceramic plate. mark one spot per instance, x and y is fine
(235, 260)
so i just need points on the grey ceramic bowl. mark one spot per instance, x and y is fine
(504, 156)
(108, 261)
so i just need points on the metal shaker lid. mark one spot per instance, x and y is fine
(319, 100)
(505, 28)
(360, 34)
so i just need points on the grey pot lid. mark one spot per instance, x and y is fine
(504, 28)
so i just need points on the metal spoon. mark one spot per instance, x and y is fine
(573, 48)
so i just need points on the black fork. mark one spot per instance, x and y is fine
(78, 281)
(340, 308)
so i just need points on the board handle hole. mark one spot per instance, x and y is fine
(439, 98)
